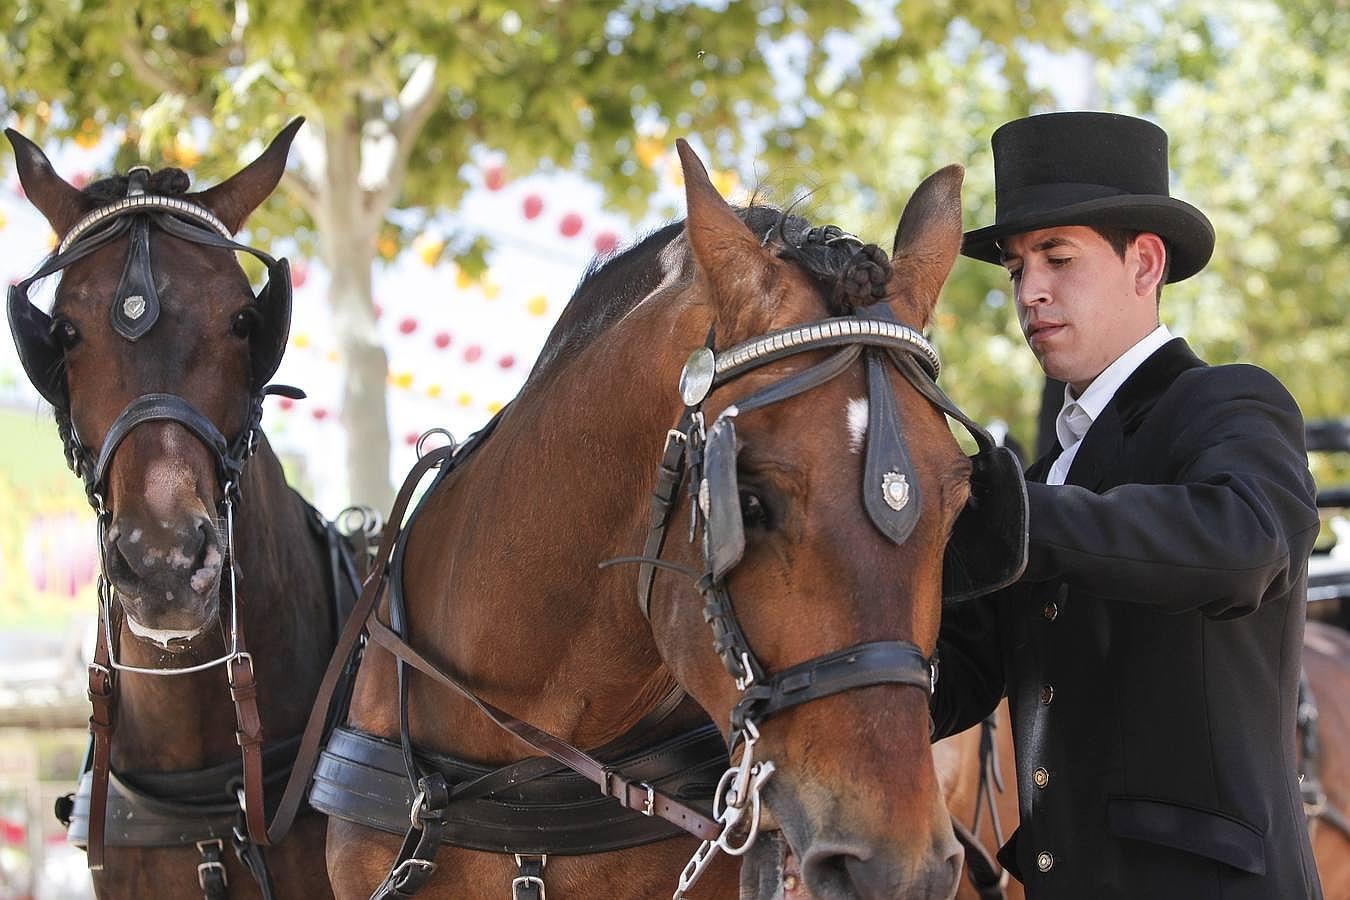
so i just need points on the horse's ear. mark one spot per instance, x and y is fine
(927, 242)
(234, 199)
(59, 201)
(728, 253)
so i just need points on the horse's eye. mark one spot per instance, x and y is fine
(65, 333)
(754, 514)
(244, 322)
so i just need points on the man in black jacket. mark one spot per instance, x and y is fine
(1150, 653)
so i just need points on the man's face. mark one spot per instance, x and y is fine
(1076, 300)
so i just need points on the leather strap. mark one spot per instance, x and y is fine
(862, 665)
(249, 735)
(103, 699)
(316, 728)
(989, 879)
(416, 860)
(211, 876)
(613, 784)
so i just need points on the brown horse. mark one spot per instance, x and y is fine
(836, 598)
(155, 358)
(1326, 665)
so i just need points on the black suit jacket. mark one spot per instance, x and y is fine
(1151, 652)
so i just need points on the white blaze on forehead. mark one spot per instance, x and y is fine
(857, 423)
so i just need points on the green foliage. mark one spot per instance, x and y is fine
(856, 104)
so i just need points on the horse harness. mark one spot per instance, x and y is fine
(190, 807)
(987, 549)
(358, 777)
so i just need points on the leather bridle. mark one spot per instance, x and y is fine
(706, 456)
(134, 311)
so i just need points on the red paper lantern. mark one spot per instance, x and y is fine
(570, 226)
(606, 241)
(534, 205)
(473, 354)
(408, 325)
(442, 340)
(319, 413)
(494, 177)
(411, 438)
(507, 361)
(286, 403)
(299, 273)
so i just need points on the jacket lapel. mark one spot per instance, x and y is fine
(1098, 458)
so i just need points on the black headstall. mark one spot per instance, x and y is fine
(134, 311)
(988, 546)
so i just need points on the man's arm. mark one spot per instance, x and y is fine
(970, 680)
(1236, 525)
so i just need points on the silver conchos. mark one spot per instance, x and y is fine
(134, 307)
(895, 490)
(697, 376)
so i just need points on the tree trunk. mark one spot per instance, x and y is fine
(348, 232)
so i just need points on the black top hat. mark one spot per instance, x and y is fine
(1089, 168)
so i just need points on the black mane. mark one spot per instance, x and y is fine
(611, 287)
(166, 182)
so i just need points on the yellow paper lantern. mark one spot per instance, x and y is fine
(537, 305)
(649, 151)
(184, 152)
(433, 391)
(428, 249)
(463, 280)
(89, 134)
(726, 181)
(300, 339)
(491, 290)
(464, 399)
(494, 407)
(402, 380)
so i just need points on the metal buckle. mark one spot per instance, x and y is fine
(211, 864)
(648, 805)
(529, 881)
(415, 811)
(230, 663)
(400, 871)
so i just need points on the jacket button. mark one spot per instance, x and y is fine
(1047, 694)
(1045, 861)
(1041, 777)
(1050, 611)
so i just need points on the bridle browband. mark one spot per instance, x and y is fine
(708, 457)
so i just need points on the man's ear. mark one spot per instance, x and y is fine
(1151, 251)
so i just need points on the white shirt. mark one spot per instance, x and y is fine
(1078, 413)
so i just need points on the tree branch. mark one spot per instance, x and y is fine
(300, 188)
(134, 52)
(417, 101)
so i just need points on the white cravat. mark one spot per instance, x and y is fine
(1078, 413)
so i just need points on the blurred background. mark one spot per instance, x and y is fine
(462, 164)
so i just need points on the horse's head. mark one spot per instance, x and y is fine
(826, 483)
(154, 357)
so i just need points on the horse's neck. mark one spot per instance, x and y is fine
(188, 721)
(504, 578)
